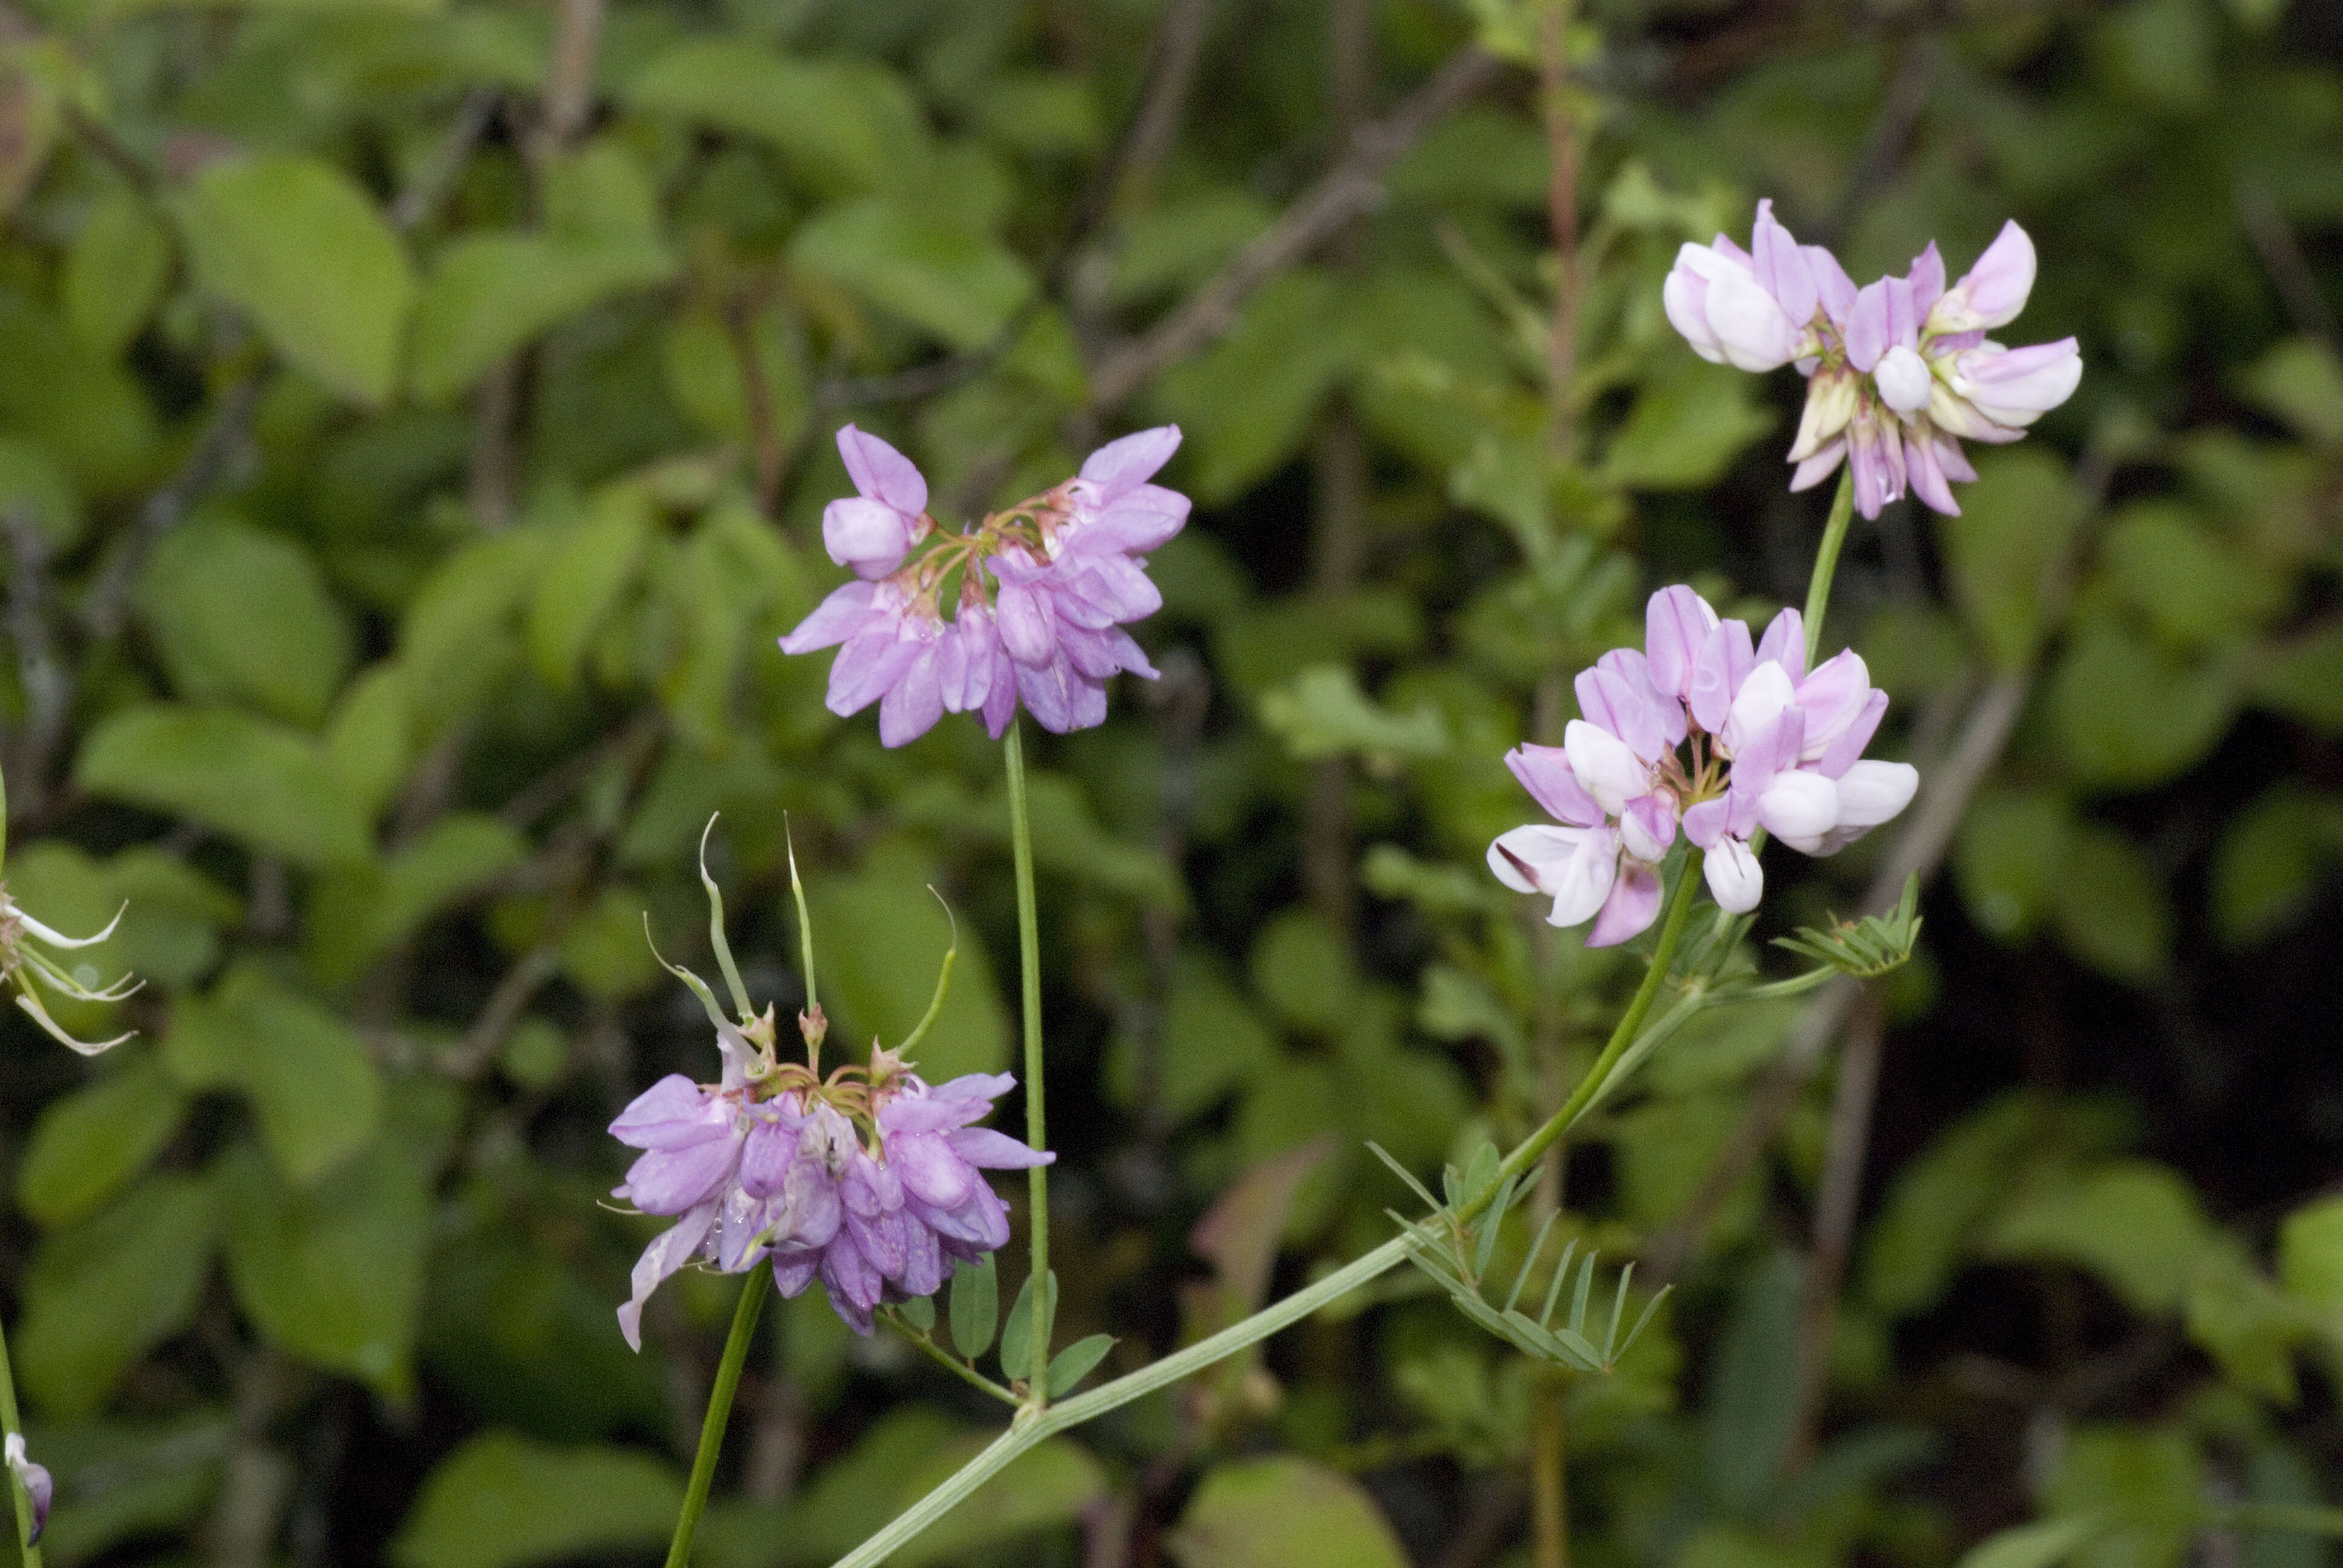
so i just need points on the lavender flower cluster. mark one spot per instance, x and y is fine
(1044, 590)
(1899, 372)
(868, 1179)
(1706, 731)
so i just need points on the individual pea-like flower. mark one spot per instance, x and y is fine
(1706, 730)
(1899, 372)
(35, 1479)
(1045, 588)
(28, 962)
(868, 1179)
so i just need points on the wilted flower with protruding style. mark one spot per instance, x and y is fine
(867, 1178)
(35, 1478)
(1045, 588)
(24, 965)
(1710, 729)
(1899, 372)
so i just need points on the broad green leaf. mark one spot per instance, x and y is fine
(2194, 587)
(1322, 713)
(1247, 402)
(2015, 523)
(292, 243)
(333, 1274)
(1683, 433)
(118, 1480)
(2007, 859)
(843, 125)
(705, 372)
(2043, 1544)
(587, 567)
(34, 487)
(1282, 1510)
(2143, 1486)
(975, 1305)
(959, 285)
(318, 1095)
(2137, 1225)
(603, 950)
(2302, 677)
(102, 1292)
(490, 293)
(85, 411)
(1937, 1202)
(461, 634)
(88, 1143)
(1017, 1327)
(358, 912)
(370, 738)
(2130, 714)
(240, 614)
(114, 273)
(2311, 1258)
(2270, 862)
(2301, 381)
(2111, 908)
(1209, 1041)
(734, 569)
(252, 779)
(1046, 1487)
(878, 938)
(1303, 970)
(503, 1501)
(2246, 1325)
(172, 914)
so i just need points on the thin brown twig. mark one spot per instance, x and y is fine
(2281, 256)
(1349, 188)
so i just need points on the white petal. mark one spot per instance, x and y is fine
(1798, 808)
(1764, 694)
(1605, 767)
(1734, 879)
(1585, 881)
(1871, 793)
(1531, 860)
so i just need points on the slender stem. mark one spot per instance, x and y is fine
(14, 1422)
(1029, 965)
(719, 1410)
(1818, 586)
(1549, 1480)
(949, 1362)
(1672, 925)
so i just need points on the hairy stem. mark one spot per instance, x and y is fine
(1029, 966)
(1818, 586)
(719, 1410)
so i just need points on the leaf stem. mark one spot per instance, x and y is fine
(719, 1410)
(1029, 965)
(1818, 586)
(949, 1362)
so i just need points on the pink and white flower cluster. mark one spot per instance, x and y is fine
(1707, 732)
(1044, 590)
(869, 1181)
(1899, 372)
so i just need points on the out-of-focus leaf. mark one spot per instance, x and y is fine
(706, 373)
(2131, 714)
(1208, 1041)
(2143, 1486)
(490, 294)
(2112, 909)
(334, 1274)
(2301, 382)
(117, 1480)
(2311, 1258)
(844, 126)
(2194, 587)
(603, 950)
(1282, 1510)
(115, 273)
(87, 413)
(293, 244)
(2246, 1325)
(1322, 713)
(959, 285)
(1245, 403)
(239, 614)
(732, 570)
(358, 912)
(102, 1292)
(2016, 521)
(2043, 1544)
(318, 1093)
(460, 631)
(878, 936)
(87, 1144)
(1683, 432)
(1937, 1202)
(250, 779)
(2006, 860)
(2302, 677)
(370, 738)
(502, 1501)
(2270, 862)
(1753, 1398)
(1303, 969)
(2137, 1225)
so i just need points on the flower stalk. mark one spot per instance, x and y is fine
(720, 1413)
(1029, 968)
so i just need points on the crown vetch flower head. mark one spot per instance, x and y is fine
(1707, 730)
(1899, 372)
(1045, 588)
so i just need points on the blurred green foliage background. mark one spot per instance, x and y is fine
(414, 426)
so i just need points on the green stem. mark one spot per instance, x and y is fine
(1672, 925)
(1029, 965)
(1034, 1425)
(14, 1422)
(719, 1410)
(949, 1362)
(1818, 586)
